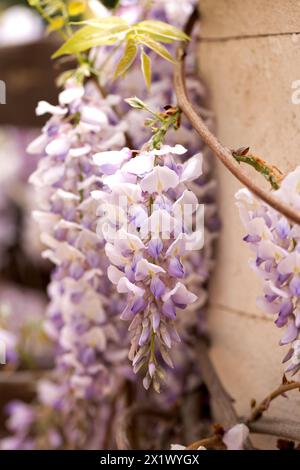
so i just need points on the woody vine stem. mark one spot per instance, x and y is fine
(223, 409)
(228, 158)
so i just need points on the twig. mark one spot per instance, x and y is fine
(224, 154)
(264, 405)
(276, 427)
(211, 443)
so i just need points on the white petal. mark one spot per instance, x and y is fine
(46, 220)
(114, 274)
(245, 196)
(114, 256)
(291, 264)
(268, 250)
(236, 437)
(131, 191)
(95, 338)
(43, 107)
(66, 195)
(188, 198)
(259, 227)
(98, 195)
(110, 161)
(128, 241)
(70, 94)
(58, 147)
(160, 179)
(160, 222)
(125, 286)
(139, 165)
(177, 248)
(38, 145)
(48, 176)
(177, 447)
(93, 115)
(165, 149)
(192, 169)
(80, 151)
(180, 295)
(144, 269)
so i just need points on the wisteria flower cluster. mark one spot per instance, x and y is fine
(83, 316)
(111, 219)
(146, 235)
(275, 242)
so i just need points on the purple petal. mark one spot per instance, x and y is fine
(157, 287)
(295, 285)
(76, 270)
(282, 228)
(290, 334)
(252, 238)
(138, 305)
(155, 247)
(175, 268)
(285, 311)
(169, 309)
(155, 320)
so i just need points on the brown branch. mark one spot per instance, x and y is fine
(276, 427)
(211, 443)
(222, 153)
(264, 405)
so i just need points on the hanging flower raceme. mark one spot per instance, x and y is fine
(275, 242)
(147, 214)
(198, 264)
(83, 316)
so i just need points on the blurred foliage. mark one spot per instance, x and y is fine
(149, 35)
(127, 40)
(10, 3)
(110, 3)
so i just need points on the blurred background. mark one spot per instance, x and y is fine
(26, 69)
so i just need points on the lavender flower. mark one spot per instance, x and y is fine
(146, 237)
(91, 345)
(275, 242)
(83, 316)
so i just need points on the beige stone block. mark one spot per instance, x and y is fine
(250, 84)
(230, 18)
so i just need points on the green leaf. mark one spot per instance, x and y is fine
(146, 68)
(103, 23)
(90, 36)
(155, 46)
(127, 59)
(159, 28)
(135, 102)
(155, 36)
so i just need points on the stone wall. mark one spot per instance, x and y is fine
(249, 55)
